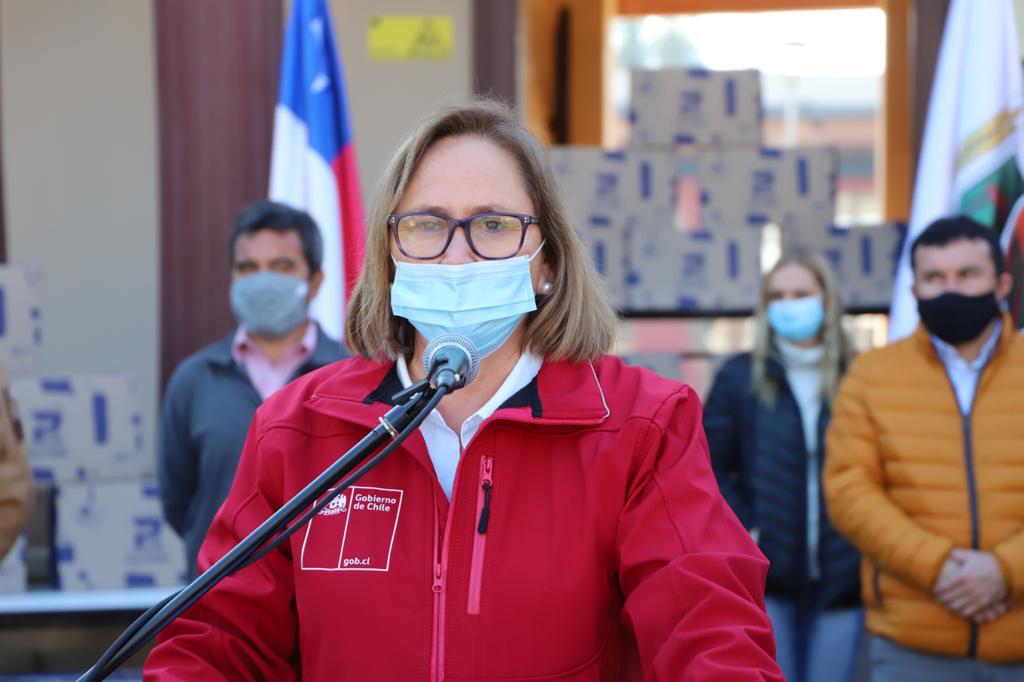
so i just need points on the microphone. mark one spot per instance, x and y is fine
(451, 360)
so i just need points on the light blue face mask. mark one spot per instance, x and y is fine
(268, 303)
(797, 320)
(482, 300)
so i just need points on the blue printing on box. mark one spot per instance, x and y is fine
(645, 179)
(730, 97)
(866, 266)
(37, 330)
(687, 303)
(632, 115)
(757, 219)
(56, 385)
(139, 580)
(703, 74)
(762, 184)
(694, 264)
(65, 553)
(606, 182)
(733, 259)
(99, 418)
(147, 533)
(151, 489)
(684, 139)
(46, 427)
(43, 474)
(770, 153)
(691, 103)
(802, 180)
(614, 155)
(599, 258)
(835, 258)
(701, 235)
(633, 278)
(600, 221)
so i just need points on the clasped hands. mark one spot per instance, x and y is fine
(972, 585)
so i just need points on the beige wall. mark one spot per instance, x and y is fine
(80, 179)
(386, 98)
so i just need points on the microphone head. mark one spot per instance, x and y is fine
(452, 342)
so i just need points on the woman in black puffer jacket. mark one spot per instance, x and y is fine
(765, 420)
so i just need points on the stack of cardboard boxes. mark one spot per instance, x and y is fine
(98, 522)
(674, 223)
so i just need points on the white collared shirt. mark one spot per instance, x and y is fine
(962, 374)
(444, 445)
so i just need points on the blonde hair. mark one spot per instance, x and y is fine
(836, 345)
(573, 321)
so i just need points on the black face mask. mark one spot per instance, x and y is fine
(956, 318)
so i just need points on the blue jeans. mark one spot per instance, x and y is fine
(891, 662)
(813, 644)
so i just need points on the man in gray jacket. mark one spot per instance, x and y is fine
(275, 253)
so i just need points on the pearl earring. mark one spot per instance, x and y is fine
(545, 288)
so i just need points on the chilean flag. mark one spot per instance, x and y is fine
(313, 161)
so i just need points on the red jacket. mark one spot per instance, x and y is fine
(607, 552)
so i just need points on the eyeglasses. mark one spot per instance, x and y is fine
(492, 236)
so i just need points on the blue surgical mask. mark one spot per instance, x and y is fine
(797, 320)
(482, 300)
(268, 303)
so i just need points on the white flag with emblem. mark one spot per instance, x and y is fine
(973, 143)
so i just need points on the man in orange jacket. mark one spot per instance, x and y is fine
(925, 471)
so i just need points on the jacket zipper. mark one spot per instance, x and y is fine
(972, 492)
(876, 584)
(483, 515)
(440, 579)
(435, 635)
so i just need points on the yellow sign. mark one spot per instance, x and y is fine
(406, 37)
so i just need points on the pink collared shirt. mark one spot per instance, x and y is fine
(265, 375)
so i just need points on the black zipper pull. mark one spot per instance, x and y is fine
(485, 513)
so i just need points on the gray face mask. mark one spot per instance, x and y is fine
(268, 303)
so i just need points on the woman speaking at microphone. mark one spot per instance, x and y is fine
(555, 519)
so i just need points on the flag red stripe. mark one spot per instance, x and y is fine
(350, 204)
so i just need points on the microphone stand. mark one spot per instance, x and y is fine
(415, 403)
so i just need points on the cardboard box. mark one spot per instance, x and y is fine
(14, 569)
(113, 535)
(20, 319)
(596, 181)
(696, 271)
(81, 427)
(608, 238)
(604, 190)
(863, 259)
(694, 107)
(753, 187)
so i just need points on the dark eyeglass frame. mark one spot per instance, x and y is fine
(525, 220)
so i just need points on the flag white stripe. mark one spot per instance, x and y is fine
(300, 177)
